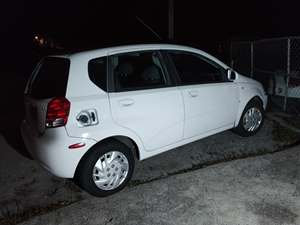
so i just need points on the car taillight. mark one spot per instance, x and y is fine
(57, 112)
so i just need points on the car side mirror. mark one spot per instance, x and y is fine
(231, 75)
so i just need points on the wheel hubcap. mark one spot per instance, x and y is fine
(110, 170)
(252, 119)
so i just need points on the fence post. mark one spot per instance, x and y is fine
(288, 71)
(231, 60)
(252, 59)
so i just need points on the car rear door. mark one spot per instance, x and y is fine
(210, 100)
(48, 80)
(144, 99)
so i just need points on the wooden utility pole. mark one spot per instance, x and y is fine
(171, 20)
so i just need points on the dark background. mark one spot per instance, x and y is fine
(77, 25)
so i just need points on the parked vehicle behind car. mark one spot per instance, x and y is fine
(90, 115)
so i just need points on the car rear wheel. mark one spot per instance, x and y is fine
(106, 169)
(251, 120)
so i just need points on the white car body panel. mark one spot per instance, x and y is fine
(209, 107)
(156, 115)
(80, 85)
(249, 88)
(55, 156)
(156, 120)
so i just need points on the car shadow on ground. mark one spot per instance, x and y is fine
(12, 135)
(12, 111)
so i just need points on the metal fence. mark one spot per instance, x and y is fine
(273, 62)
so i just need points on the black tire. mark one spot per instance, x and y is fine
(84, 173)
(240, 129)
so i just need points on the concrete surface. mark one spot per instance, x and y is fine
(26, 189)
(24, 184)
(259, 190)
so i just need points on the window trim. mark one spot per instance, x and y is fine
(111, 76)
(176, 73)
(171, 68)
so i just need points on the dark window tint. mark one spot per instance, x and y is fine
(51, 78)
(97, 72)
(137, 71)
(195, 69)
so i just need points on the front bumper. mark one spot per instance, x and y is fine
(51, 149)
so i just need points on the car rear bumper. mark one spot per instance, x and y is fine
(51, 149)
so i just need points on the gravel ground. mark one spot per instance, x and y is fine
(27, 190)
(263, 190)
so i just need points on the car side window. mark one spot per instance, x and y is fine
(196, 69)
(138, 70)
(97, 72)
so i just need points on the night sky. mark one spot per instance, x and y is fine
(90, 24)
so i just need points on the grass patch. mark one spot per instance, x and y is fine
(293, 121)
(284, 135)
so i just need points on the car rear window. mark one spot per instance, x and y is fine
(51, 78)
(97, 72)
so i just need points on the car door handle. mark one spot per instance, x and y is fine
(193, 94)
(126, 102)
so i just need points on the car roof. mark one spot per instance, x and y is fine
(89, 54)
(106, 50)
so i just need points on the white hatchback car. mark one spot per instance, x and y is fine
(89, 115)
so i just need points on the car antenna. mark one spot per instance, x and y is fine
(148, 27)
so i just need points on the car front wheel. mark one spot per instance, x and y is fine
(251, 120)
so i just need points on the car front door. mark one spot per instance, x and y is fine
(144, 99)
(210, 100)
